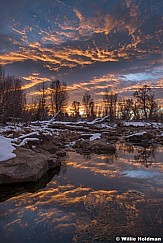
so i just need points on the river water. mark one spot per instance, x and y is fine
(92, 198)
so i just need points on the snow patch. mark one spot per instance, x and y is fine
(95, 136)
(137, 134)
(28, 135)
(6, 149)
(26, 140)
(143, 124)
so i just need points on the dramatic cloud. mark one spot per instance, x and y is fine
(90, 44)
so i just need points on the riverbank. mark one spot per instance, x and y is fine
(42, 145)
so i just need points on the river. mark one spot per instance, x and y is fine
(92, 198)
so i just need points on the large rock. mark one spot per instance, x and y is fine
(139, 138)
(96, 146)
(10, 190)
(28, 166)
(159, 138)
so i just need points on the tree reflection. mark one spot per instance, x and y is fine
(110, 158)
(129, 148)
(87, 156)
(146, 155)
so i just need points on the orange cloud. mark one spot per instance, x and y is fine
(34, 79)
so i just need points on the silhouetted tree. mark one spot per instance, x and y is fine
(12, 98)
(42, 110)
(126, 107)
(146, 103)
(58, 96)
(110, 104)
(75, 108)
(88, 104)
(98, 110)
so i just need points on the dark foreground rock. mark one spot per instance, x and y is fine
(11, 190)
(97, 146)
(28, 166)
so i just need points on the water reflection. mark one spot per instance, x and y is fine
(144, 155)
(92, 199)
(120, 214)
(108, 158)
(11, 190)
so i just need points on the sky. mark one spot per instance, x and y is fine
(89, 44)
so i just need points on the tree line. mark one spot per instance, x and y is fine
(53, 100)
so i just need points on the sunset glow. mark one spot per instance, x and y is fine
(92, 45)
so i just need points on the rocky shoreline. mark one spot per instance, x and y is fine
(40, 148)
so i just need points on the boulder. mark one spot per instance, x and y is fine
(96, 146)
(11, 190)
(28, 166)
(85, 136)
(61, 153)
(100, 147)
(139, 138)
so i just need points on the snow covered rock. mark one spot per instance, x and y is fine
(139, 137)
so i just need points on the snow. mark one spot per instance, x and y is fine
(11, 128)
(28, 135)
(6, 149)
(94, 121)
(136, 124)
(137, 134)
(26, 140)
(103, 125)
(70, 144)
(95, 136)
(143, 124)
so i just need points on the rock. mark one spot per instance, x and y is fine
(53, 163)
(53, 149)
(159, 138)
(32, 143)
(85, 136)
(50, 147)
(61, 153)
(99, 147)
(83, 144)
(10, 190)
(28, 166)
(139, 138)
(95, 146)
(111, 138)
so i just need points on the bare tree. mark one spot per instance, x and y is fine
(98, 110)
(75, 108)
(146, 103)
(58, 96)
(110, 104)
(88, 104)
(92, 109)
(2, 86)
(126, 109)
(12, 98)
(42, 110)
